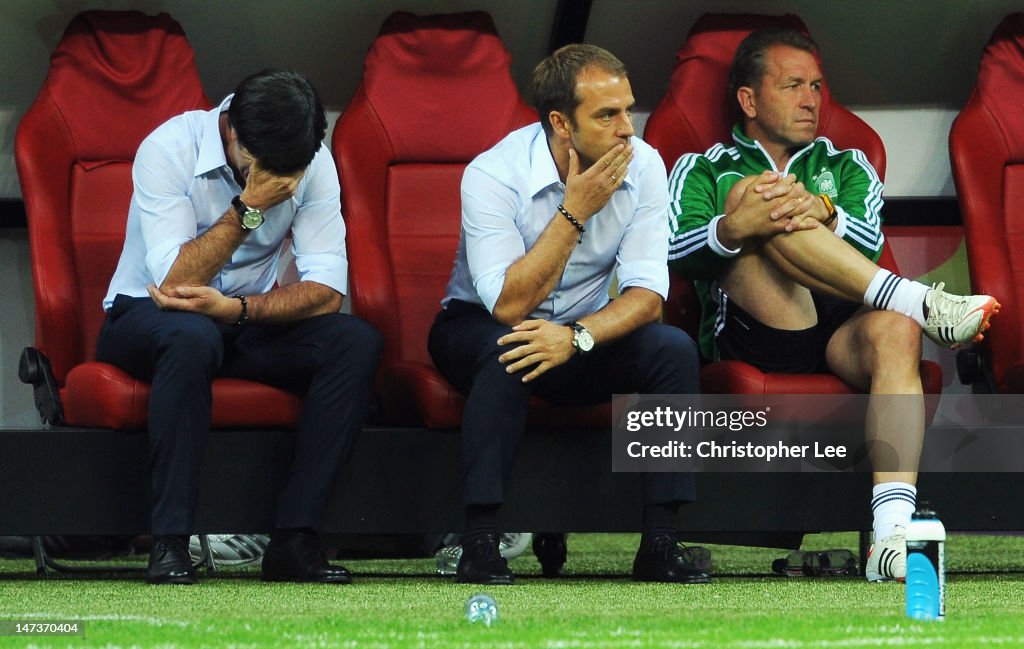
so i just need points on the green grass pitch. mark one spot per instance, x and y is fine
(401, 603)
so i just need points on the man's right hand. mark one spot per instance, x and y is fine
(265, 189)
(764, 206)
(586, 193)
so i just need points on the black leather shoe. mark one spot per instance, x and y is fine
(661, 559)
(299, 558)
(169, 561)
(551, 552)
(482, 563)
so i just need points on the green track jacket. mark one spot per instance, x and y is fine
(700, 183)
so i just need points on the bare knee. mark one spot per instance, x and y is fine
(893, 342)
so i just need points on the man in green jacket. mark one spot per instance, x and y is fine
(781, 230)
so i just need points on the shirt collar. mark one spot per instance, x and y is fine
(544, 173)
(211, 146)
(746, 142)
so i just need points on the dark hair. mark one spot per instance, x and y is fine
(554, 79)
(279, 119)
(748, 63)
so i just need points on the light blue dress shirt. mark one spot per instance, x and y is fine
(510, 194)
(183, 185)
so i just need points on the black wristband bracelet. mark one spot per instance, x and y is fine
(572, 219)
(243, 317)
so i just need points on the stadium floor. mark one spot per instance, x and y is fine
(401, 603)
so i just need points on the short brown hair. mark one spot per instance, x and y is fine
(748, 63)
(554, 78)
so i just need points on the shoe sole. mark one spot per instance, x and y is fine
(174, 581)
(881, 580)
(988, 310)
(500, 581)
(688, 580)
(294, 580)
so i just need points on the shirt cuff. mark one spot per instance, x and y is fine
(716, 245)
(161, 257)
(489, 284)
(841, 217)
(327, 269)
(644, 274)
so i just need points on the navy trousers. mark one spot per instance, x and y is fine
(654, 359)
(331, 359)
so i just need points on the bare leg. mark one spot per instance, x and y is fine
(773, 282)
(880, 351)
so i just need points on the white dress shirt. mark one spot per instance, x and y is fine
(511, 192)
(183, 185)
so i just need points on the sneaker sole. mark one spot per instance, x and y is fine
(879, 579)
(988, 310)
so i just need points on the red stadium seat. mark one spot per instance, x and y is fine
(114, 77)
(689, 119)
(436, 92)
(986, 149)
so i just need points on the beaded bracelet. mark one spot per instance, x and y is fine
(243, 317)
(572, 219)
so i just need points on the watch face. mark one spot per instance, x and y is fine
(252, 219)
(583, 340)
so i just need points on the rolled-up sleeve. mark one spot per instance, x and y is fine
(642, 257)
(493, 242)
(318, 231)
(166, 215)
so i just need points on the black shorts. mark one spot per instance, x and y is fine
(744, 338)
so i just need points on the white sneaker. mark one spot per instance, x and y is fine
(232, 549)
(887, 559)
(955, 320)
(510, 545)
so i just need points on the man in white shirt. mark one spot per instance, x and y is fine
(216, 193)
(549, 215)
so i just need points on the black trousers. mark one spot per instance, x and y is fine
(654, 359)
(331, 359)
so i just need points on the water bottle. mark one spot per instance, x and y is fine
(447, 559)
(926, 569)
(481, 608)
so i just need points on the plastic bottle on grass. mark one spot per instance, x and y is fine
(481, 608)
(926, 569)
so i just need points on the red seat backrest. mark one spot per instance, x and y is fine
(436, 92)
(697, 113)
(113, 78)
(987, 159)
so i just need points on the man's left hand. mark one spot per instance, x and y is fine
(198, 299)
(540, 344)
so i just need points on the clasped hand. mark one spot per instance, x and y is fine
(769, 204)
(540, 344)
(198, 299)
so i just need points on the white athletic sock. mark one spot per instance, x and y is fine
(889, 292)
(892, 504)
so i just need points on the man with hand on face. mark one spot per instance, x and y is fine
(549, 214)
(194, 297)
(781, 231)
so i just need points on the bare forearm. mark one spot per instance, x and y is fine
(630, 311)
(532, 277)
(202, 258)
(294, 302)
